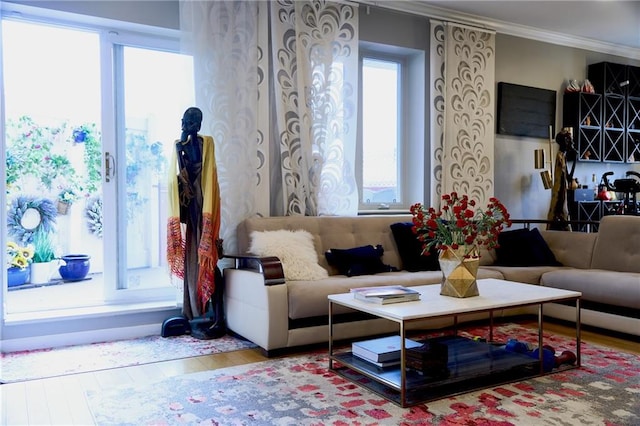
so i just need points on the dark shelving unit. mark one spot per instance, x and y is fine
(619, 86)
(583, 112)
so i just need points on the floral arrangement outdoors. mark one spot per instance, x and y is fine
(47, 213)
(458, 225)
(93, 213)
(67, 196)
(17, 256)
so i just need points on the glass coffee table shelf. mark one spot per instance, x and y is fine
(472, 365)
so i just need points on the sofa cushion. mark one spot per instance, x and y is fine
(410, 249)
(597, 285)
(364, 260)
(524, 247)
(294, 249)
(523, 274)
(617, 247)
(572, 249)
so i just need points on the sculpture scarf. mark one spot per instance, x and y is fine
(207, 251)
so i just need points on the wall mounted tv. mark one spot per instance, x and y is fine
(525, 111)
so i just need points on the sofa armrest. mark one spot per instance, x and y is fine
(270, 267)
(256, 300)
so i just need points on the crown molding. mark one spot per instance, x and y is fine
(502, 27)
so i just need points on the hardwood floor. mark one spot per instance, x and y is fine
(61, 400)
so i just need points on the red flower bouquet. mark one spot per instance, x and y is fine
(457, 225)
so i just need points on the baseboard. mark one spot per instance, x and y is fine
(79, 338)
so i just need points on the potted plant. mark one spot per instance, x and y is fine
(18, 260)
(66, 197)
(457, 231)
(43, 257)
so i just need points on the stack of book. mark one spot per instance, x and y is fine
(385, 294)
(383, 351)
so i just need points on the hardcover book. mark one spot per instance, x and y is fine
(385, 294)
(381, 350)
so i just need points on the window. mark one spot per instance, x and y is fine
(381, 132)
(391, 143)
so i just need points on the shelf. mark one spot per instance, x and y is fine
(607, 77)
(633, 146)
(615, 136)
(472, 365)
(578, 110)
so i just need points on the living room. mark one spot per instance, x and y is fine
(547, 65)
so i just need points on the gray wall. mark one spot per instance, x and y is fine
(157, 13)
(547, 66)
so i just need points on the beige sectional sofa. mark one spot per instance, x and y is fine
(276, 314)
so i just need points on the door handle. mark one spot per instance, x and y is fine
(109, 166)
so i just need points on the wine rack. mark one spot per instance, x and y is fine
(619, 86)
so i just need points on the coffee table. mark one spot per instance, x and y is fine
(473, 365)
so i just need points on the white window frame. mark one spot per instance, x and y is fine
(111, 33)
(413, 169)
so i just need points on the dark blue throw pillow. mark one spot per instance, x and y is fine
(524, 247)
(365, 260)
(410, 249)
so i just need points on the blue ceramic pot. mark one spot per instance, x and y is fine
(17, 276)
(76, 267)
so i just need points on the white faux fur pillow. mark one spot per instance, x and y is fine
(294, 249)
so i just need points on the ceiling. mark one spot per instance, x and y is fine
(604, 21)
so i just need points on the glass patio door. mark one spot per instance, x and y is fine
(91, 117)
(156, 87)
(53, 149)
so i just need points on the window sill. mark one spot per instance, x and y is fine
(386, 212)
(84, 313)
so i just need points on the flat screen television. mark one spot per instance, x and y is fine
(525, 111)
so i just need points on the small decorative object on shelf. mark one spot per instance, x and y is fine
(573, 86)
(587, 87)
(458, 231)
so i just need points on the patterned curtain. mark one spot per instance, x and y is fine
(223, 38)
(315, 71)
(462, 111)
(283, 117)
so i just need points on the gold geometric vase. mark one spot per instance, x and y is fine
(459, 272)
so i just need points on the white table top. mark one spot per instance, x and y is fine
(494, 294)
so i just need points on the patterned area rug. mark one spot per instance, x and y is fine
(301, 391)
(37, 364)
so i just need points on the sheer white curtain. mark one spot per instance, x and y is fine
(462, 111)
(223, 38)
(315, 51)
(283, 116)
